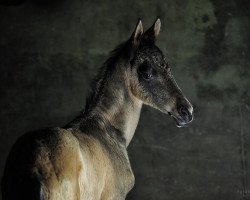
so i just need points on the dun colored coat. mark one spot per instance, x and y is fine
(87, 159)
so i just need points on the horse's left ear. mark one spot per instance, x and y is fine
(152, 33)
(135, 39)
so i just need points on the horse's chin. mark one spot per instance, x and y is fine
(178, 122)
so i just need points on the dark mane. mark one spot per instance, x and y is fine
(99, 82)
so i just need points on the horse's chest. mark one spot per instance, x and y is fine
(108, 177)
(123, 176)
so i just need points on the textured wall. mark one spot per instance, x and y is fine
(50, 50)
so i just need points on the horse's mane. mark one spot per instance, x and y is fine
(100, 81)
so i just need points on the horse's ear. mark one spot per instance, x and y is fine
(152, 33)
(137, 34)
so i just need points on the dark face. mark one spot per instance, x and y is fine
(154, 84)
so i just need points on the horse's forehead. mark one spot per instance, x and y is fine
(152, 53)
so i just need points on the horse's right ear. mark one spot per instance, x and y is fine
(137, 34)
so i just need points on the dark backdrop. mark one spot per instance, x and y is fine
(50, 50)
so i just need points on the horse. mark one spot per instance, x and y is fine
(87, 158)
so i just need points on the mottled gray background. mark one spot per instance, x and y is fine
(51, 50)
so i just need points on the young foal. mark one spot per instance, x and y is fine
(87, 159)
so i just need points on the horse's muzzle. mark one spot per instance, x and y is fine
(185, 115)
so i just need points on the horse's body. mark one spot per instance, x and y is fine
(87, 159)
(68, 165)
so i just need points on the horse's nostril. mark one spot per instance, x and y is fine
(184, 113)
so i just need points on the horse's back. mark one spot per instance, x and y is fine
(44, 164)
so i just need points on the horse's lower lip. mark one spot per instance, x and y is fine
(180, 125)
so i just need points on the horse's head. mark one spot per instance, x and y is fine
(152, 81)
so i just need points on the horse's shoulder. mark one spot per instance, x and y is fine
(57, 152)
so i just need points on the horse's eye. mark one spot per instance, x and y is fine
(146, 72)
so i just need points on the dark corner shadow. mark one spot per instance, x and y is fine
(11, 2)
(36, 2)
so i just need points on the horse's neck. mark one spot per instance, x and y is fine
(131, 118)
(116, 104)
(123, 114)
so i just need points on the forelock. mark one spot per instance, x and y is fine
(151, 52)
